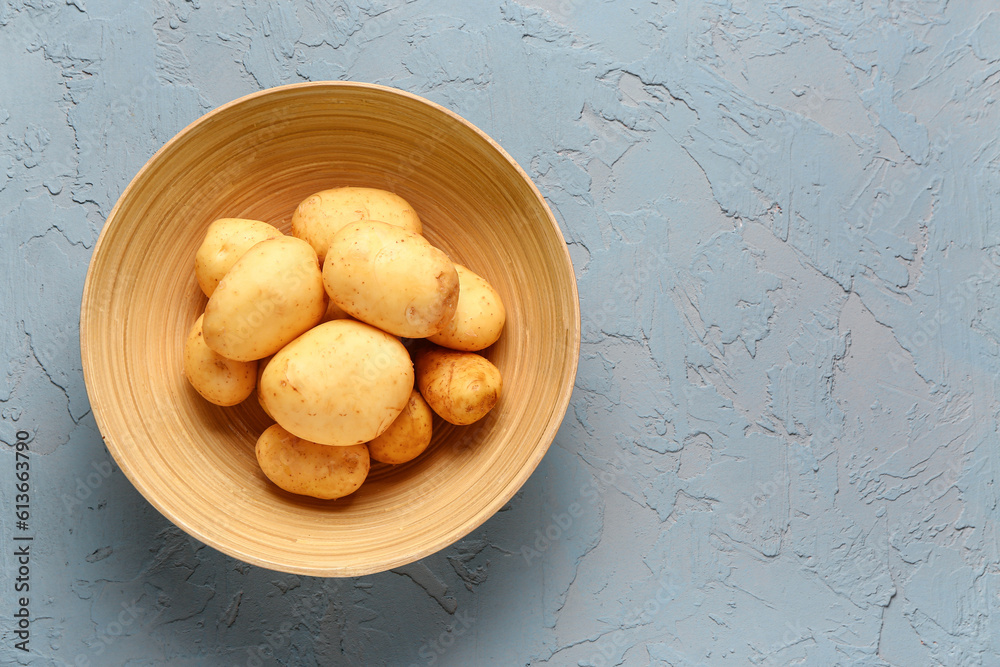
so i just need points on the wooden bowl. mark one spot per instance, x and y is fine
(258, 157)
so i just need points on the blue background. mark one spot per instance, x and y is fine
(782, 446)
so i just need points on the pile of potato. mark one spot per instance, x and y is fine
(316, 323)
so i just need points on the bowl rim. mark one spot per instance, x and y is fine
(561, 402)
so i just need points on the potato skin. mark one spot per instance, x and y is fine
(340, 383)
(219, 380)
(479, 316)
(226, 240)
(308, 468)
(408, 435)
(318, 217)
(391, 278)
(461, 387)
(273, 294)
(261, 365)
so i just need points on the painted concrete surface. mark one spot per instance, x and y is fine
(782, 447)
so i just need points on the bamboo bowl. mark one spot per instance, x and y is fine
(258, 157)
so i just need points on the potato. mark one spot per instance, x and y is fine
(273, 294)
(391, 278)
(408, 435)
(323, 214)
(461, 387)
(340, 383)
(261, 365)
(311, 469)
(226, 240)
(479, 316)
(219, 380)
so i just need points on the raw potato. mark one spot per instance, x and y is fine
(479, 317)
(226, 240)
(311, 324)
(323, 214)
(340, 383)
(273, 294)
(408, 436)
(391, 278)
(219, 380)
(461, 387)
(261, 365)
(311, 469)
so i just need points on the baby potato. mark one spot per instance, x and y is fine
(261, 365)
(479, 317)
(323, 214)
(308, 468)
(273, 294)
(219, 380)
(461, 387)
(408, 435)
(226, 240)
(340, 383)
(391, 278)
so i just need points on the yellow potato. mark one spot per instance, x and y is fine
(323, 214)
(479, 317)
(461, 387)
(273, 294)
(226, 240)
(311, 469)
(261, 365)
(391, 278)
(341, 383)
(219, 380)
(408, 436)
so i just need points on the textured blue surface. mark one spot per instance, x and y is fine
(782, 447)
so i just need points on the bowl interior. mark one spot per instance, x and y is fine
(258, 157)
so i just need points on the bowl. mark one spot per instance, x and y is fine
(258, 157)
